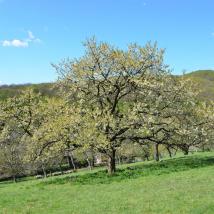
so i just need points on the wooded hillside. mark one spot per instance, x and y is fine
(203, 78)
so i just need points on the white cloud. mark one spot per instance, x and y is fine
(18, 43)
(15, 43)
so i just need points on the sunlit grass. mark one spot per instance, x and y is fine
(179, 185)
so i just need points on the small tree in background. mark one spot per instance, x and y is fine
(20, 117)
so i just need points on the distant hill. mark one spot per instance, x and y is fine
(203, 78)
(205, 81)
(7, 91)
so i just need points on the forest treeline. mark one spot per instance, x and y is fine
(203, 79)
(108, 106)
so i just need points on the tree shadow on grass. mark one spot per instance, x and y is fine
(131, 172)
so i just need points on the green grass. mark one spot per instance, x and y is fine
(179, 185)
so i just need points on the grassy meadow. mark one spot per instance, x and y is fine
(178, 185)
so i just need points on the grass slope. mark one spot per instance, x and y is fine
(179, 185)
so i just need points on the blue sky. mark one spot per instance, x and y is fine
(36, 33)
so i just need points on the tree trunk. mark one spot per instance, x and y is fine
(44, 171)
(112, 163)
(93, 159)
(88, 161)
(169, 151)
(14, 178)
(69, 162)
(72, 162)
(147, 157)
(186, 151)
(156, 152)
(89, 164)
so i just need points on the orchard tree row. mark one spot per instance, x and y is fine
(110, 102)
